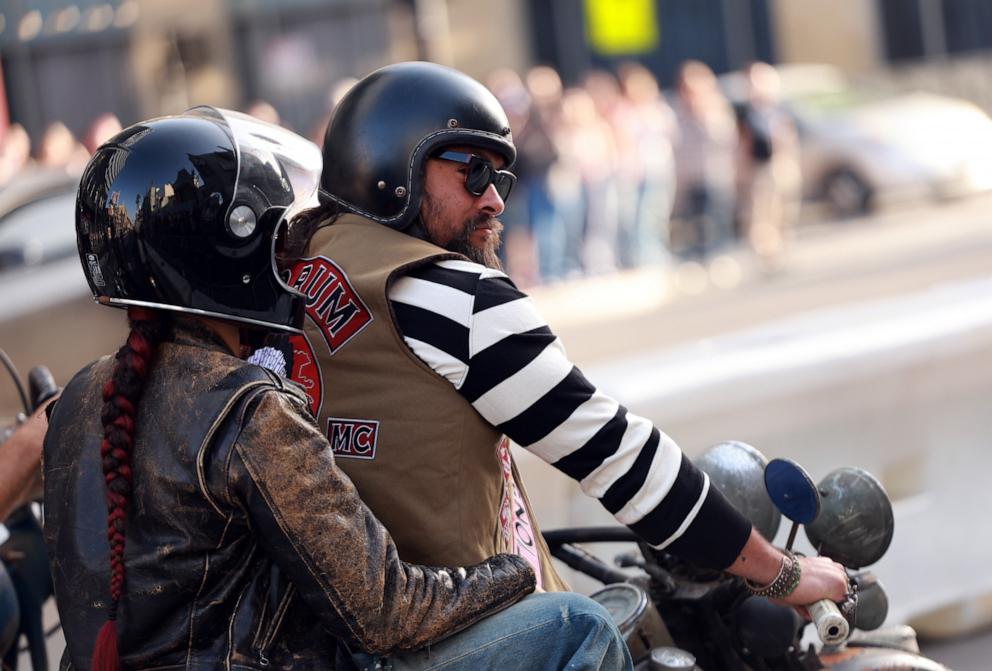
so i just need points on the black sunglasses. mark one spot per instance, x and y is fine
(481, 174)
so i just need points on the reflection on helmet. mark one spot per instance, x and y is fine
(181, 213)
(390, 122)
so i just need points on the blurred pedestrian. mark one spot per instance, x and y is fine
(59, 150)
(614, 108)
(654, 127)
(264, 111)
(559, 247)
(771, 183)
(588, 144)
(15, 153)
(704, 161)
(101, 129)
(532, 236)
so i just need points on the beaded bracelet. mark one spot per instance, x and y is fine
(785, 582)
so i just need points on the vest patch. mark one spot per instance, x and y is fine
(353, 438)
(332, 303)
(514, 521)
(306, 372)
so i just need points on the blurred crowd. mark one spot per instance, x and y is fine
(612, 174)
(58, 148)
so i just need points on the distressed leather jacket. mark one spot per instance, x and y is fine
(246, 546)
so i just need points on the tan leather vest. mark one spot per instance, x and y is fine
(439, 477)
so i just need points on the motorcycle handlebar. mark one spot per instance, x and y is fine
(41, 386)
(831, 626)
(614, 534)
(586, 563)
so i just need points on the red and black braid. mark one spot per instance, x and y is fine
(121, 394)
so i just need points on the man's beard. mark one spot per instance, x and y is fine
(462, 244)
(485, 255)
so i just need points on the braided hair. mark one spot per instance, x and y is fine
(121, 394)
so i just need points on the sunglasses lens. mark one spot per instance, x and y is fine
(478, 178)
(481, 173)
(503, 181)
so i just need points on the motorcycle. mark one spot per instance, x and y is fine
(25, 580)
(676, 616)
(673, 615)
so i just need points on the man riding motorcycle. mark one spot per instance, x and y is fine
(20, 464)
(406, 306)
(229, 536)
(24, 581)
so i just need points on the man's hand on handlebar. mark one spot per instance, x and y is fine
(822, 578)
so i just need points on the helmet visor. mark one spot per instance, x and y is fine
(278, 176)
(298, 159)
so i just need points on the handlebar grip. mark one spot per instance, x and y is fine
(831, 626)
(588, 564)
(41, 386)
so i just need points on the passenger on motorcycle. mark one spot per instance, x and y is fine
(405, 296)
(229, 538)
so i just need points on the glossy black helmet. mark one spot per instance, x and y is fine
(181, 213)
(390, 122)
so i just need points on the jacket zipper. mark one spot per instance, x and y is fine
(256, 639)
(265, 644)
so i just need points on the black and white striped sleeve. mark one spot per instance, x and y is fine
(475, 328)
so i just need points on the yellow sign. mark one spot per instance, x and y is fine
(617, 27)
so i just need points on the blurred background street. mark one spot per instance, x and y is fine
(883, 361)
(757, 220)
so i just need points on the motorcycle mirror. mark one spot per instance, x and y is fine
(736, 469)
(873, 603)
(792, 490)
(856, 525)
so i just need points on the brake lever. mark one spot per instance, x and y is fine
(849, 606)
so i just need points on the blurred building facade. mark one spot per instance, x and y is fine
(71, 60)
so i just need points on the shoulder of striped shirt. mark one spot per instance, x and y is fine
(436, 294)
(425, 290)
(471, 267)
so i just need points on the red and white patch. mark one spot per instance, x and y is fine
(306, 372)
(353, 438)
(514, 522)
(332, 303)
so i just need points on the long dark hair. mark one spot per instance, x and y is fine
(121, 394)
(294, 245)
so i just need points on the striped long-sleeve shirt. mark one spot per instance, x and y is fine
(476, 329)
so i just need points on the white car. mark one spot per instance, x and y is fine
(860, 149)
(47, 315)
(39, 263)
(862, 146)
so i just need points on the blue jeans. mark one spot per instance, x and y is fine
(542, 632)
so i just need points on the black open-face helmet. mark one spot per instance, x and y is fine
(390, 123)
(182, 212)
